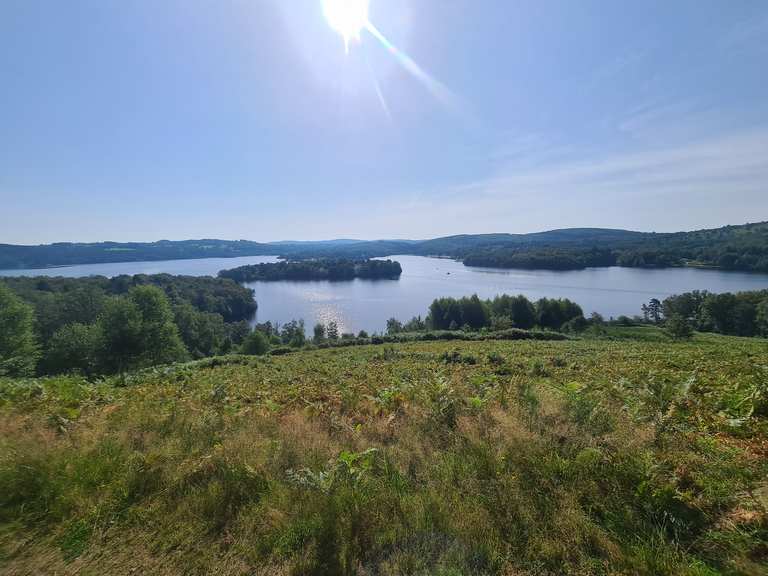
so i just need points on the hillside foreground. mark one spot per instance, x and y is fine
(509, 458)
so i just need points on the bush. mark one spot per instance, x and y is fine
(678, 327)
(255, 344)
(578, 324)
(456, 357)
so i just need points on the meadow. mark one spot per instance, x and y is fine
(628, 454)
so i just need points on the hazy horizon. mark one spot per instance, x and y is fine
(250, 119)
(341, 239)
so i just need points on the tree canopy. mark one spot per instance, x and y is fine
(19, 351)
(319, 269)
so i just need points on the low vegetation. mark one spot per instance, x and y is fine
(487, 457)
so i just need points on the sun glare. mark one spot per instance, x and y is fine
(347, 17)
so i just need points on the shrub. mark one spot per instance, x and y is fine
(678, 327)
(578, 324)
(255, 344)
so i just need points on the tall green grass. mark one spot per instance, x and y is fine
(498, 458)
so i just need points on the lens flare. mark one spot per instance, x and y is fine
(350, 18)
(347, 17)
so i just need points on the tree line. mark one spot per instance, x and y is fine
(739, 314)
(502, 312)
(541, 258)
(743, 248)
(101, 326)
(318, 269)
(104, 326)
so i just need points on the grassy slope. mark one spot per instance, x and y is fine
(580, 457)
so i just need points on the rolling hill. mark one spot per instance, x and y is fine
(743, 247)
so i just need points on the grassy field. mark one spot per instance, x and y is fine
(635, 455)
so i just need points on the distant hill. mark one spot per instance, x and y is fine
(743, 247)
(67, 254)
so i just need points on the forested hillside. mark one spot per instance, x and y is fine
(66, 254)
(730, 248)
(742, 247)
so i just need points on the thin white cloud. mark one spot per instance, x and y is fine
(710, 182)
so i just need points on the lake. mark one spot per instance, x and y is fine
(367, 304)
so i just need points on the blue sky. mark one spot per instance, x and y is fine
(149, 119)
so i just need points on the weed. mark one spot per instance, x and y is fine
(587, 457)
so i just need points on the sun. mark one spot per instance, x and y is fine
(347, 17)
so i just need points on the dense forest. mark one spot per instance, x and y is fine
(740, 314)
(743, 247)
(499, 313)
(319, 269)
(542, 258)
(68, 254)
(98, 325)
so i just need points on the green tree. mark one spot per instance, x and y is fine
(236, 333)
(294, 334)
(745, 319)
(255, 344)
(678, 327)
(394, 326)
(72, 348)
(762, 317)
(120, 335)
(138, 331)
(161, 343)
(553, 313)
(474, 312)
(444, 313)
(19, 351)
(203, 333)
(318, 333)
(415, 324)
(577, 324)
(687, 304)
(717, 312)
(518, 310)
(653, 311)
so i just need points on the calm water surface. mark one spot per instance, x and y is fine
(367, 304)
(201, 267)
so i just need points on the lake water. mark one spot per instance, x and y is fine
(367, 304)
